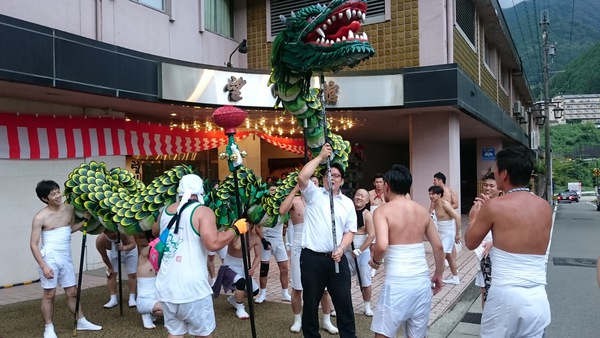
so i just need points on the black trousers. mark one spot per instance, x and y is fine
(317, 272)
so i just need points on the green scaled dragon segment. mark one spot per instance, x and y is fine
(117, 200)
(317, 38)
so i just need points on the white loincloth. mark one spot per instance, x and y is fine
(56, 252)
(517, 303)
(237, 265)
(405, 299)
(146, 294)
(362, 259)
(447, 231)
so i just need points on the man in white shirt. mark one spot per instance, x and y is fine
(320, 253)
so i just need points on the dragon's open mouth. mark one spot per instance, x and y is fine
(342, 25)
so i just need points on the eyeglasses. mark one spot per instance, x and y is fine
(336, 175)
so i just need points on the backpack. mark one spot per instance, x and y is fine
(158, 246)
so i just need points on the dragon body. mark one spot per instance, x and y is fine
(317, 38)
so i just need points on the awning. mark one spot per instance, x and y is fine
(49, 137)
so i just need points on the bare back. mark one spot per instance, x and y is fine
(520, 222)
(401, 220)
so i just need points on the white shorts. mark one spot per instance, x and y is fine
(295, 268)
(447, 231)
(406, 303)
(237, 265)
(146, 294)
(62, 265)
(512, 311)
(222, 252)
(128, 258)
(277, 249)
(363, 267)
(196, 318)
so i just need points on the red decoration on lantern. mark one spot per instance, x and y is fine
(229, 117)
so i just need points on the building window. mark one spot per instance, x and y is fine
(375, 11)
(465, 18)
(156, 4)
(489, 54)
(504, 78)
(218, 16)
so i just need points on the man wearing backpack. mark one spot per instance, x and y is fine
(182, 286)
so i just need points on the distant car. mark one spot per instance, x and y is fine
(574, 196)
(564, 196)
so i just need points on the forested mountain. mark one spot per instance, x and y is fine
(574, 28)
(580, 76)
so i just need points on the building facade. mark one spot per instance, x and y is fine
(444, 92)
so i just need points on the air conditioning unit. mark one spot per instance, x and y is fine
(517, 108)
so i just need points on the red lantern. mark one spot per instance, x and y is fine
(229, 117)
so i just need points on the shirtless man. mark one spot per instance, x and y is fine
(147, 304)
(54, 225)
(400, 226)
(234, 259)
(107, 246)
(450, 194)
(376, 196)
(295, 206)
(521, 222)
(273, 245)
(360, 252)
(448, 225)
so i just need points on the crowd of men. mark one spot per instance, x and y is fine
(332, 238)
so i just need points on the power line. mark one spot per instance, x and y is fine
(571, 30)
(521, 32)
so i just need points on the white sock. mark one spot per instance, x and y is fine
(367, 304)
(297, 317)
(263, 292)
(113, 297)
(285, 293)
(132, 296)
(49, 326)
(326, 318)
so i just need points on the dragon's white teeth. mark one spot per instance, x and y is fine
(321, 32)
(340, 15)
(364, 36)
(324, 27)
(348, 14)
(329, 21)
(354, 12)
(343, 38)
(350, 35)
(318, 40)
(364, 16)
(333, 18)
(338, 40)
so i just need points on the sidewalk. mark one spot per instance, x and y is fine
(442, 302)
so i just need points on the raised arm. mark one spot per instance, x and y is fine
(287, 203)
(310, 167)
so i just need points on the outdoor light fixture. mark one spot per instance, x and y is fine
(242, 48)
(558, 112)
(540, 119)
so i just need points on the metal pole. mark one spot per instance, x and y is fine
(120, 273)
(329, 179)
(304, 129)
(245, 244)
(547, 134)
(360, 284)
(80, 277)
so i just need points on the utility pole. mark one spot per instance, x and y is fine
(547, 147)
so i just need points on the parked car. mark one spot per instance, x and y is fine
(564, 196)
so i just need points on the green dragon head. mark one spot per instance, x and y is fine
(323, 38)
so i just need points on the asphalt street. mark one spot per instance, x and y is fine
(572, 285)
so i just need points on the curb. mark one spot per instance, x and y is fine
(445, 324)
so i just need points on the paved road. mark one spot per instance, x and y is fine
(572, 287)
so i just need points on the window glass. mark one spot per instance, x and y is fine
(158, 4)
(218, 16)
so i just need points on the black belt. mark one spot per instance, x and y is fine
(326, 254)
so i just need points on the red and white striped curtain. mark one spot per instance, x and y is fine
(48, 137)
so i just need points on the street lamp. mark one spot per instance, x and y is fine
(242, 48)
(540, 119)
(558, 111)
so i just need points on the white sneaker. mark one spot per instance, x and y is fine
(261, 298)
(368, 311)
(285, 296)
(111, 303)
(148, 322)
(327, 326)
(296, 327)
(84, 325)
(132, 303)
(231, 300)
(452, 280)
(49, 333)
